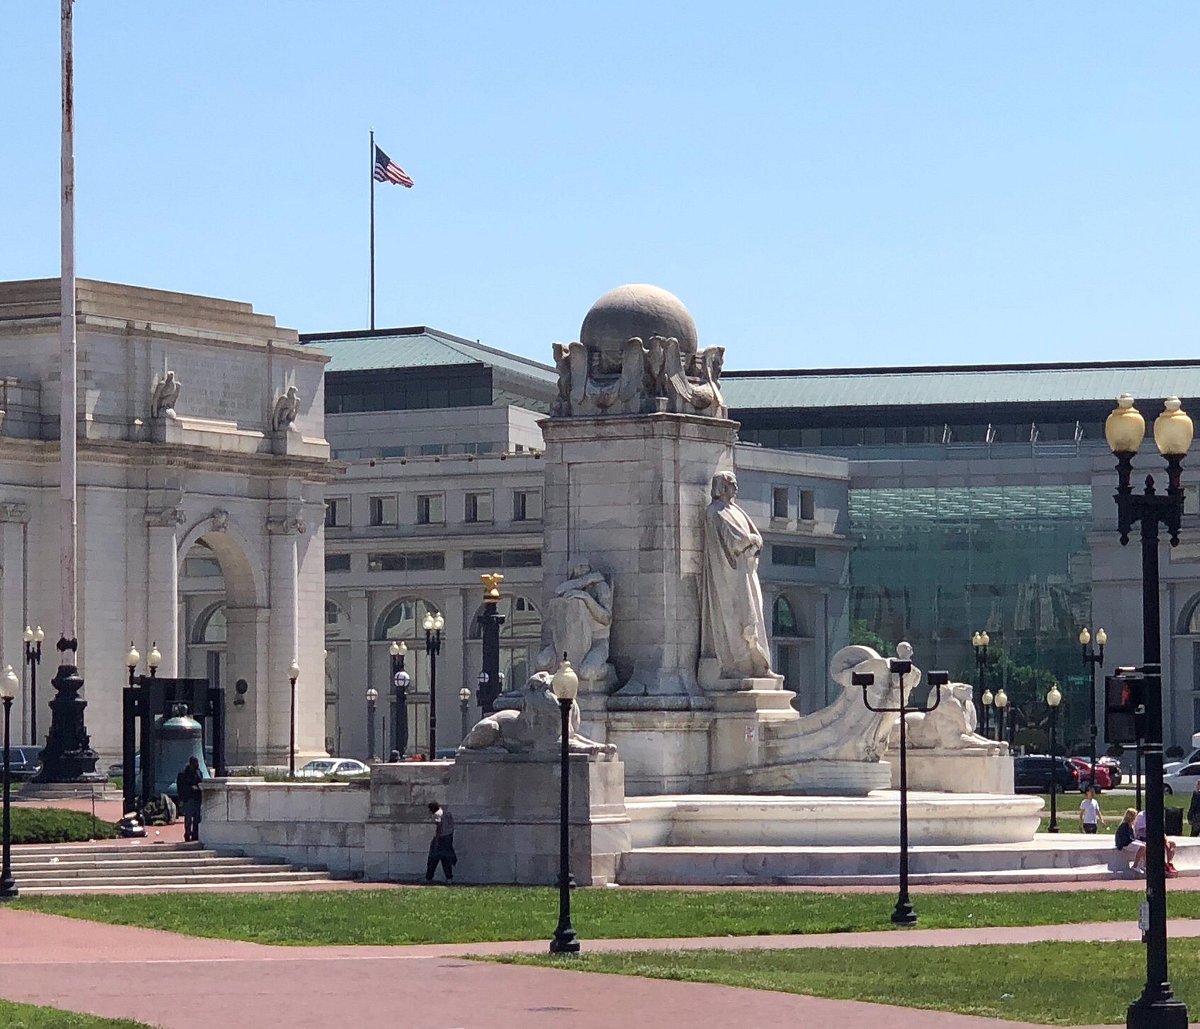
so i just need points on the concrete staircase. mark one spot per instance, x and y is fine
(129, 866)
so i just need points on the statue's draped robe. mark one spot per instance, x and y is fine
(734, 628)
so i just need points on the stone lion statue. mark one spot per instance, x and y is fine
(950, 725)
(535, 727)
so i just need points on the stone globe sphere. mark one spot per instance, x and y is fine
(636, 310)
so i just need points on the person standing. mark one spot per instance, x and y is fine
(441, 847)
(187, 787)
(1090, 815)
(1193, 812)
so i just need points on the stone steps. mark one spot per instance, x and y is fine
(1047, 859)
(130, 866)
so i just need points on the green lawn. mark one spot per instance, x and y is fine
(467, 914)
(1048, 983)
(26, 1016)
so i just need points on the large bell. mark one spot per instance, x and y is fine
(180, 738)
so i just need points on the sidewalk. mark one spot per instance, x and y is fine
(136, 973)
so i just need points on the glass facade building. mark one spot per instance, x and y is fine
(932, 565)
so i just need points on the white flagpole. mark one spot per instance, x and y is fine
(372, 179)
(67, 344)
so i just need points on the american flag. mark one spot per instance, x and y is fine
(387, 170)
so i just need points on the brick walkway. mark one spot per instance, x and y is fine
(137, 973)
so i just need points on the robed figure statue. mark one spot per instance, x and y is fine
(733, 624)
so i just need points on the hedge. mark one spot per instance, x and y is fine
(55, 825)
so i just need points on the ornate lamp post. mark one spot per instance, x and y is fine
(464, 700)
(400, 681)
(980, 641)
(565, 685)
(293, 675)
(1093, 658)
(490, 681)
(33, 657)
(1053, 699)
(1124, 429)
(433, 646)
(8, 689)
(1001, 702)
(372, 697)
(900, 666)
(986, 701)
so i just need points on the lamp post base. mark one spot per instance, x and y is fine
(904, 913)
(566, 942)
(8, 890)
(1157, 1014)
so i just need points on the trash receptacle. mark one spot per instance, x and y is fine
(1173, 821)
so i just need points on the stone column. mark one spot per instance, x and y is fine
(162, 587)
(14, 517)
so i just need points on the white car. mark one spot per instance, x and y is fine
(1184, 780)
(320, 767)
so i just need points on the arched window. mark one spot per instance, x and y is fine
(210, 626)
(337, 625)
(783, 618)
(1191, 619)
(402, 621)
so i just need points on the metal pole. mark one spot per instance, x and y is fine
(904, 914)
(1053, 826)
(33, 654)
(67, 342)
(565, 941)
(466, 715)
(371, 178)
(433, 644)
(370, 730)
(8, 887)
(292, 735)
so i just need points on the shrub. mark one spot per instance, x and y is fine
(55, 825)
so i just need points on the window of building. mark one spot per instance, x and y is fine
(493, 559)
(393, 452)
(527, 505)
(202, 567)
(419, 561)
(431, 509)
(795, 557)
(481, 559)
(808, 505)
(783, 618)
(779, 502)
(337, 512)
(337, 562)
(382, 511)
(478, 507)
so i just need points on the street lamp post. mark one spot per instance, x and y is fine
(432, 625)
(464, 700)
(1093, 657)
(980, 641)
(8, 887)
(372, 697)
(293, 675)
(400, 681)
(33, 657)
(565, 685)
(900, 666)
(1001, 702)
(1125, 429)
(986, 701)
(1053, 699)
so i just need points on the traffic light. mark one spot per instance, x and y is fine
(1125, 705)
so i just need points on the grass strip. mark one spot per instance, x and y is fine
(479, 914)
(29, 1016)
(1045, 983)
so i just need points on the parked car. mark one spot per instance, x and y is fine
(1032, 773)
(1182, 781)
(323, 766)
(1103, 776)
(24, 762)
(1114, 768)
(1175, 766)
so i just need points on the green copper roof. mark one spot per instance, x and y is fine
(1003, 384)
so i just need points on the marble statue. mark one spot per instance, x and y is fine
(614, 369)
(949, 726)
(579, 619)
(164, 396)
(536, 727)
(733, 622)
(287, 406)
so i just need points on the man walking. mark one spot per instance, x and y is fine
(187, 789)
(441, 847)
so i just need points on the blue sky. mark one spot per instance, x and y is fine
(823, 184)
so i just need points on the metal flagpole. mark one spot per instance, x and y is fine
(67, 340)
(372, 178)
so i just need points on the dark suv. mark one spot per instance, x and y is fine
(23, 762)
(1032, 773)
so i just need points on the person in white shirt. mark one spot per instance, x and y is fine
(1090, 815)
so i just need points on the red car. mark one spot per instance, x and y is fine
(1103, 777)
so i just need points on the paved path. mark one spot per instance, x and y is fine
(136, 973)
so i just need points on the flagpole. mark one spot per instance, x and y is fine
(372, 179)
(67, 344)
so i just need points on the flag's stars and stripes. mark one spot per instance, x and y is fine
(387, 170)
